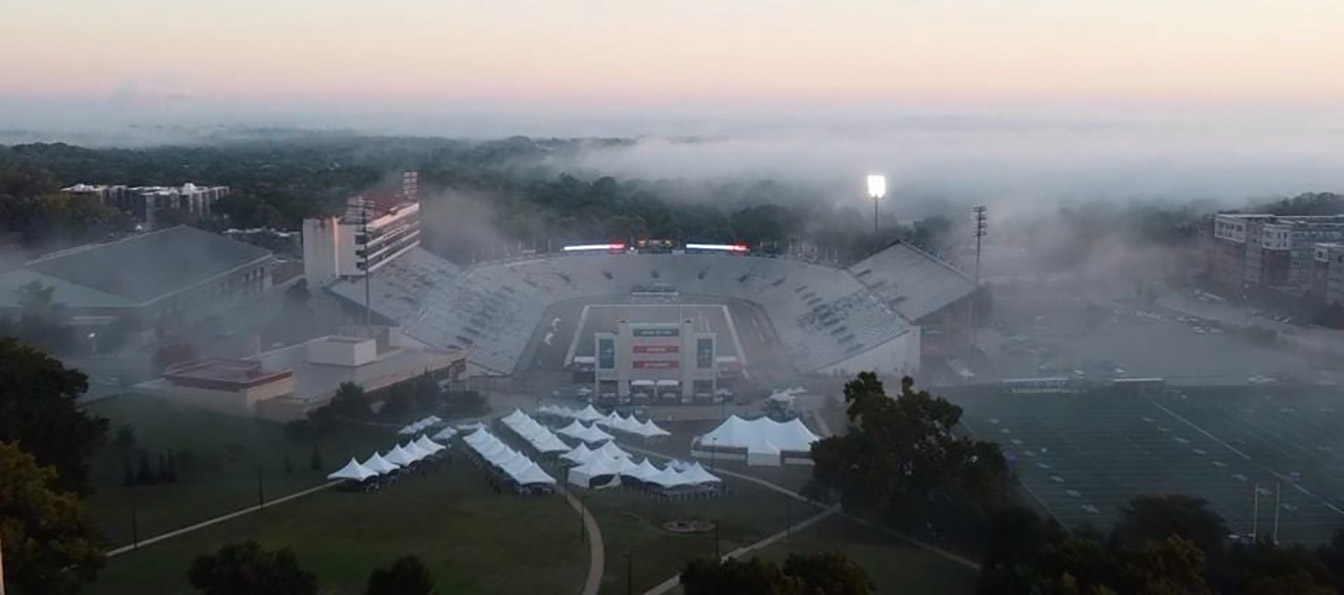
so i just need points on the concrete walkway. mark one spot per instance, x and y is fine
(597, 551)
(219, 519)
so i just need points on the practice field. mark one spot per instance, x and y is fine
(1083, 457)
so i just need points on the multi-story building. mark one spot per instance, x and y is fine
(103, 193)
(1327, 282)
(375, 229)
(660, 360)
(146, 202)
(1254, 251)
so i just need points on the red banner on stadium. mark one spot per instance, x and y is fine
(655, 364)
(657, 348)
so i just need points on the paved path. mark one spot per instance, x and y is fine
(673, 582)
(928, 547)
(597, 551)
(219, 519)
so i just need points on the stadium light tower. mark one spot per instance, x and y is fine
(877, 190)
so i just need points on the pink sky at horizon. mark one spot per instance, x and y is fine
(572, 52)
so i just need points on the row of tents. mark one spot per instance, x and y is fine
(513, 464)
(588, 414)
(420, 426)
(541, 438)
(630, 425)
(591, 473)
(399, 457)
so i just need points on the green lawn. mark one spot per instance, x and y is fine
(219, 475)
(633, 523)
(472, 539)
(894, 566)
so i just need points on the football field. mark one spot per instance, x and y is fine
(1081, 457)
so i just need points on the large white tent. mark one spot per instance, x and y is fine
(353, 470)
(643, 471)
(764, 439)
(611, 451)
(446, 433)
(399, 456)
(428, 445)
(415, 451)
(697, 474)
(516, 465)
(668, 478)
(540, 437)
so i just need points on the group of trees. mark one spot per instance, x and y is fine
(1160, 544)
(248, 568)
(819, 574)
(50, 544)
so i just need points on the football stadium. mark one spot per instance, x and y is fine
(759, 318)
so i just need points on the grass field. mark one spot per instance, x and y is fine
(893, 565)
(1083, 456)
(220, 474)
(633, 523)
(473, 539)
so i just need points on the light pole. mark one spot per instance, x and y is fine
(877, 190)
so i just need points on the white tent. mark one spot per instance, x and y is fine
(643, 471)
(580, 455)
(446, 434)
(763, 435)
(584, 474)
(648, 429)
(589, 434)
(428, 445)
(611, 451)
(587, 414)
(378, 464)
(763, 454)
(434, 419)
(399, 456)
(353, 470)
(532, 475)
(697, 474)
(407, 430)
(514, 418)
(668, 478)
(415, 451)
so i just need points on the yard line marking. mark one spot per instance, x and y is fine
(1202, 431)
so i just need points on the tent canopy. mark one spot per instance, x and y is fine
(378, 464)
(352, 470)
(761, 434)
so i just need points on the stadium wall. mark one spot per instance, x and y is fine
(899, 356)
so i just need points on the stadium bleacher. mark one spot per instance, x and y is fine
(823, 315)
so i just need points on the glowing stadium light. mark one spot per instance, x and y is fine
(718, 247)
(877, 187)
(595, 247)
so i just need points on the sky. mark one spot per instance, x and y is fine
(405, 55)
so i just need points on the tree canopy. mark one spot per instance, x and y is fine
(818, 574)
(50, 543)
(39, 412)
(247, 568)
(900, 459)
(406, 576)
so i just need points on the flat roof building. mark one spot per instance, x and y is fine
(160, 279)
(375, 229)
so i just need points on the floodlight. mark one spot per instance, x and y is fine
(877, 187)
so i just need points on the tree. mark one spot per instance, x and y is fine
(901, 461)
(50, 543)
(246, 568)
(1273, 569)
(1174, 565)
(1155, 517)
(828, 574)
(406, 576)
(704, 576)
(124, 439)
(41, 318)
(39, 411)
(397, 403)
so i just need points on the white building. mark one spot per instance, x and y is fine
(145, 202)
(372, 232)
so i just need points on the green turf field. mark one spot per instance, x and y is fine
(473, 539)
(1083, 456)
